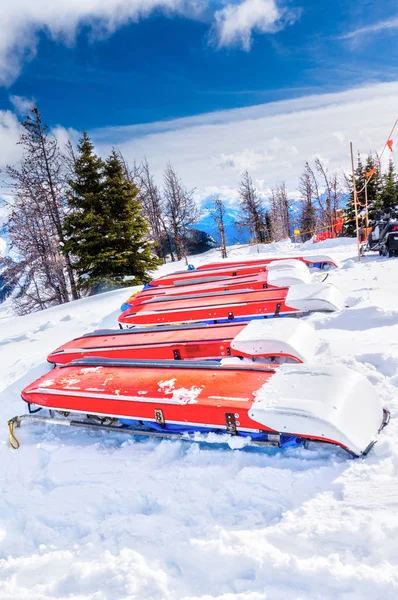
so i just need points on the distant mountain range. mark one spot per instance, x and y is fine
(233, 233)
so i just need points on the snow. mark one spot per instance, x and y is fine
(180, 395)
(292, 337)
(94, 516)
(286, 273)
(314, 296)
(3, 247)
(321, 401)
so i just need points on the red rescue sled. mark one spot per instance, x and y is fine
(207, 275)
(277, 340)
(281, 406)
(317, 261)
(218, 307)
(257, 281)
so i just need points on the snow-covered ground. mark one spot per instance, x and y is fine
(93, 516)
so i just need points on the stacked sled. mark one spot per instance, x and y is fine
(219, 293)
(199, 353)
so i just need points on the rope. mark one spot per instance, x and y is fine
(13, 440)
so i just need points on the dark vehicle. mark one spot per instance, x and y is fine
(384, 235)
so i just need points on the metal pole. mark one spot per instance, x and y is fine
(355, 203)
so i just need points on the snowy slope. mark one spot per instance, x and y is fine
(93, 516)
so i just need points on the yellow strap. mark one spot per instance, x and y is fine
(13, 440)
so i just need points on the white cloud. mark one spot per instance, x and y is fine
(21, 104)
(10, 129)
(210, 151)
(388, 24)
(236, 22)
(245, 160)
(22, 20)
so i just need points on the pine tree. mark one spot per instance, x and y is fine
(373, 188)
(127, 251)
(85, 223)
(349, 213)
(389, 192)
(106, 230)
(268, 227)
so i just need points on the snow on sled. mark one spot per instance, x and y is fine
(318, 261)
(281, 406)
(257, 281)
(277, 340)
(219, 307)
(279, 274)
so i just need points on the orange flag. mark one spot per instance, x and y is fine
(391, 145)
(371, 172)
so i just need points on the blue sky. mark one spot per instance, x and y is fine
(170, 66)
(213, 86)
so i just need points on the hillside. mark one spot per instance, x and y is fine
(98, 517)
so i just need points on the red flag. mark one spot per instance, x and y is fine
(371, 172)
(391, 145)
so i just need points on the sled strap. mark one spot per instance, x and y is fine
(13, 440)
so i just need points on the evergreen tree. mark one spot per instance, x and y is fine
(373, 188)
(85, 223)
(126, 251)
(349, 213)
(106, 230)
(389, 192)
(268, 227)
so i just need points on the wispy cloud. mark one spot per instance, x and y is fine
(10, 130)
(233, 22)
(21, 104)
(272, 140)
(388, 24)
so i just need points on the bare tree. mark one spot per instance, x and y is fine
(252, 213)
(153, 205)
(280, 212)
(180, 209)
(217, 213)
(46, 167)
(337, 195)
(36, 220)
(325, 203)
(39, 270)
(308, 189)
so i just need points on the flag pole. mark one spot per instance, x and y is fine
(355, 203)
(366, 208)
